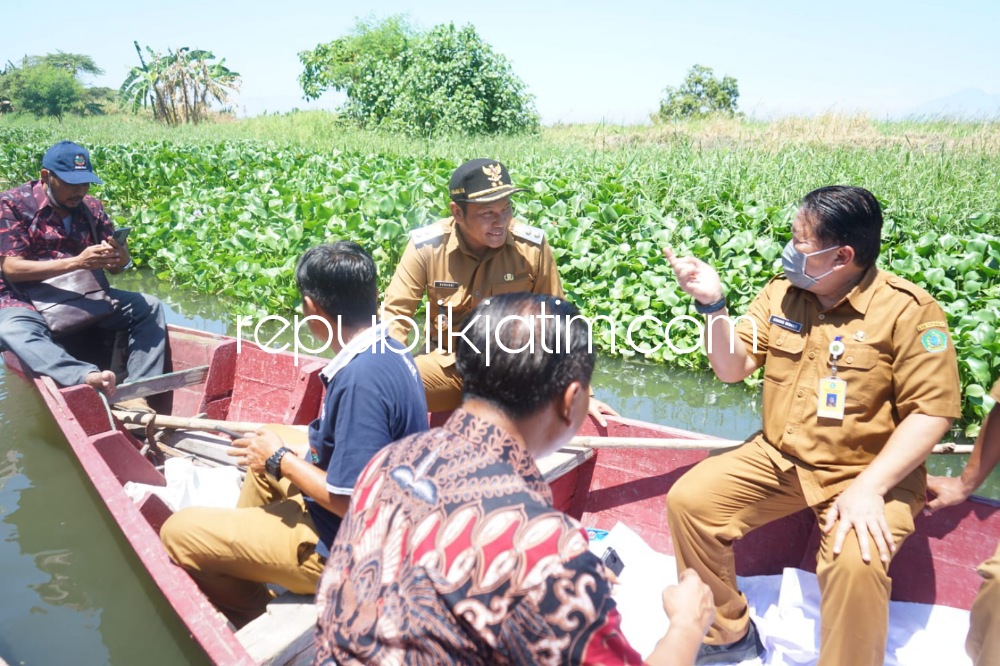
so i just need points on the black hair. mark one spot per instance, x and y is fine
(843, 215)
(519, 383)
(342, 280)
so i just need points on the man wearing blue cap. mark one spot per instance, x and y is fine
(50, 227)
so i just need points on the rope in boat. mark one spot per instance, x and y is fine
(107, 409)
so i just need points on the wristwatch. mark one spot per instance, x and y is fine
(709, 308)
(273, 464)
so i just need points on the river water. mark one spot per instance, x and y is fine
(72, 590)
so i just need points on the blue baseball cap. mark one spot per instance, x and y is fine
(71, 163)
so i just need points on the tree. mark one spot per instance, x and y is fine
(45, 90)
(701, 94)
(49, 85)
(180, 86)
(445, 80)
(341, 64)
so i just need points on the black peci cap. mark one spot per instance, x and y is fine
(481, 181)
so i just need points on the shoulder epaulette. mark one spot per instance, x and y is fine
(528, 232)
(918, 293)
(427, 233)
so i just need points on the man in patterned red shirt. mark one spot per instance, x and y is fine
(49, 227)
(451, 551)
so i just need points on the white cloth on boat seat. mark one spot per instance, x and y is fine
(784, 607)
(191, 485)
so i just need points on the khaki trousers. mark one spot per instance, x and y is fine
(983, 642)
(726, 496)
(232, 553)
(442, 383)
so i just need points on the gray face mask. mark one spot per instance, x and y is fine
(794, 263)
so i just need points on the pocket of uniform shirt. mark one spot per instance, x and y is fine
(854, 368)
(436, 292)
(516, 284)
(784, 355)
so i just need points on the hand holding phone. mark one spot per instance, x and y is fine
(612, 561)
(120, 235)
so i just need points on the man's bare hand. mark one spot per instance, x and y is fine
(949, 491)
(253, 451)
(862, 510)
(102, 256)
(689, 601)
(124, 257)
(596, 408)
(695, 277)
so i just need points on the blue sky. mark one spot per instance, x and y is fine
(584, 61)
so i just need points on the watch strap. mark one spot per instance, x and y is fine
(273, 464)
(709, 308)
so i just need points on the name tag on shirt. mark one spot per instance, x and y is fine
(786, 324)
(832, 396)
(441, 284)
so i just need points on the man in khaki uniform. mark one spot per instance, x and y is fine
(478, 252)
(983, 640)
(880, 346)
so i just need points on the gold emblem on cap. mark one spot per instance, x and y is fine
(509, 277)
(859, 336)
(494, 172)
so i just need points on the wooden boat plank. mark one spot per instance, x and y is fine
(201, 444)
(561, 462)
(284, 634)
(170, 381)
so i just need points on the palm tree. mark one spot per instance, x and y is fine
(180, 85)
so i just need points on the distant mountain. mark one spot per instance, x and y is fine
(969, 104)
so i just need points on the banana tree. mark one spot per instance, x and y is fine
(180, 85)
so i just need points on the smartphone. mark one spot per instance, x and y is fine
(612, 561)
(121, 234)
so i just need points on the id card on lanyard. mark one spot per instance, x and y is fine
(832, 390)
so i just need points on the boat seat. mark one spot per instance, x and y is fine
(284, 634)
(563, 461)
(204, 446)
(157, 384)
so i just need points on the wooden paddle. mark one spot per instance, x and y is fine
(183, 422)
(672, 443)
(681, 444)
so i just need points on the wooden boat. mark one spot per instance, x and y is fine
(219, 377)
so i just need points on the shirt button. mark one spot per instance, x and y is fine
(789, 430)
(477, 292)
(812, 355)
(800, 393)
(822, 317)
(849, 359)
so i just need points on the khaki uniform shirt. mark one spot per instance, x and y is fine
(437, 261)
(899, 360)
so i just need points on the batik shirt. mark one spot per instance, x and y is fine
(452, 553)
(31, 228)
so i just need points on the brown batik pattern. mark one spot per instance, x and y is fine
(453, 554)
